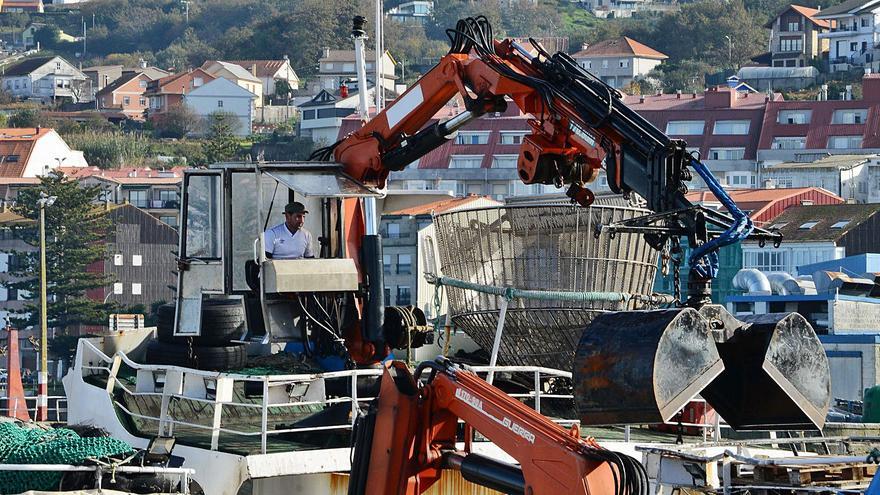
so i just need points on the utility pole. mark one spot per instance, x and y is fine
(84, 37)
(380, 52)
(43, 377)
(186, 7)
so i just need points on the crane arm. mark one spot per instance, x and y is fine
(410, 437)
(579, 125)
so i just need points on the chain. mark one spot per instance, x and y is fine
(676, 256)
(190, 354)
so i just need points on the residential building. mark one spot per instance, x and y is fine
(270, 71)
(322, 116)
(101, 76)
(795, 37)
(619, 61)
(223, 95)
(853, 33)
(336, 66)
(816, 233)
(721, 125)
(844, 175)
(33, 152)
(27, 35)
(405, 235)
(762, 206)
(46, 79)
(411, 11)
(239, 75)
(126, 95)
(793, 130)
(140, 259)
(15, 6)
(168, 92)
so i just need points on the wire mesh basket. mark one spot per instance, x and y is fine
(549, 247)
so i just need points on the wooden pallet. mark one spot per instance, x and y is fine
(817, 474)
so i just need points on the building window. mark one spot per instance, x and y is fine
(117, 288)
(853, 47)
(841, 224)
(57, 65)
(404, 297)
(732, 127)
(740, 179)
(142, 84)
(794, 26)
(512, 137)
(142, 102)
(472, 138)
(844, 142)
(605, 64)
(767, 260)
(854, 116)
(118, 260)
(791, 45)
(465, 161)
(504, 161)
(588, 64)
(789, 143)
(726, 153)
(126, 100)
(170, 220)
(219, 103)
(794, 117)
(387, 291)
(685, 127)
(198, 81)
(386, 264)
(404, 264)
(624, 64)
(135, 289)
(139, 198)
(393, 230)
(865, 22)
(136, 260)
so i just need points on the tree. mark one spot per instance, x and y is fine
(687, 76)
(28, 117)
(282, 89)
(177, 122)
(48, 37)
(75, 235)
(222, 143)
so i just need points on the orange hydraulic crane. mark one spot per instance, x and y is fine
(579, 126)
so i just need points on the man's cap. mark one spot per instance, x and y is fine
(295, 207)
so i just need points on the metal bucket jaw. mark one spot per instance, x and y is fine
(641, 367)
(776, 374)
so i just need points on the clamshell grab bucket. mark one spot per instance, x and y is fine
(642, 367)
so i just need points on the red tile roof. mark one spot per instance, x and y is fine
(18, 143)
(621, 46)
(807, 12)
(764, 205)
(265, 68)
(178, 84)
(440, 206)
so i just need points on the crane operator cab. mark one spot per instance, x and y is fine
(306, 302)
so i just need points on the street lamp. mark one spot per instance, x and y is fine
(729, 50)
(43, 377)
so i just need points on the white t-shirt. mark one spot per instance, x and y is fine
(282, 245)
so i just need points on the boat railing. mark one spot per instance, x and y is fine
(100, 470)
(271, 393)
(56, 407)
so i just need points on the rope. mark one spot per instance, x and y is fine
(53, 446)
(542, 295)
(704, 258)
